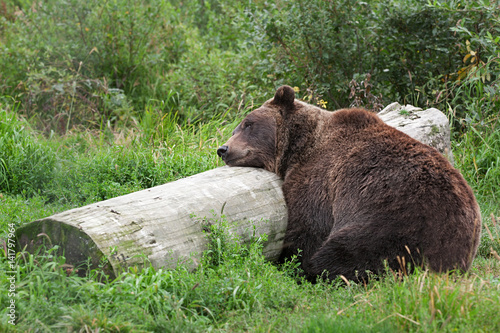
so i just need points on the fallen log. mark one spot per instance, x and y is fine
(165, 223)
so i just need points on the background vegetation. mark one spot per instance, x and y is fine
(103, 98)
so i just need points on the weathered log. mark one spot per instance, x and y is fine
(165, 223)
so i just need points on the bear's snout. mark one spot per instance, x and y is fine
(222, 151)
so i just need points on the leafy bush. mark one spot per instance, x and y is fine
(472, 88)
(74, 62)
(211, 83)
(409, 49)
(320, 45)
(414, 46)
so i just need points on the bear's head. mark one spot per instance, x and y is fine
(262, 137)
(254, 141)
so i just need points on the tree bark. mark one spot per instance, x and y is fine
(165, 224)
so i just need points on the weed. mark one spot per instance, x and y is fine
(490, 242)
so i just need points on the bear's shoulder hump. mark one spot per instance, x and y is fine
(356, 117)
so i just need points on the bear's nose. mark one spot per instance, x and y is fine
(222, 151)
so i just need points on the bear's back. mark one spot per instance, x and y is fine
(354, 118)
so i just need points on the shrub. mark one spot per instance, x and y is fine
(320, 45)
(409, 49)
(211, 82)
(74, 62)
(414, 46)
(472, 87)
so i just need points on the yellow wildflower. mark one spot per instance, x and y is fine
(322, 103)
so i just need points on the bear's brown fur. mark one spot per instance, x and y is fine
(358, 191)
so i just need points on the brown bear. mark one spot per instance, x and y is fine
(360, 194)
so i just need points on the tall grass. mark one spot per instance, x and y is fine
(158, 150)
(234, 289)
(478, 157)
(25, 164)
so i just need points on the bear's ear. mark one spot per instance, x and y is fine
(285, 96)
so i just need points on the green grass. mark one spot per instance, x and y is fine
(42, 176)
(477, 156)
(25, 164)
(243, 292)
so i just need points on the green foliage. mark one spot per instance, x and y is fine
(156, 152)
(340, 324)
(244, 292)
(408, 48)
(18, 210)
(215, 81)
(432, 302)
(149, 299)
(481, 167)
(41, 177)
(471, 90)
(320, 45)
(72, 62)
(224, 246)
(414, 45)
(25, 164)
(220, 23)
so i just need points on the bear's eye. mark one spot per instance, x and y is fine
(247, 124)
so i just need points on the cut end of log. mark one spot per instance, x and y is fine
(80, 251)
